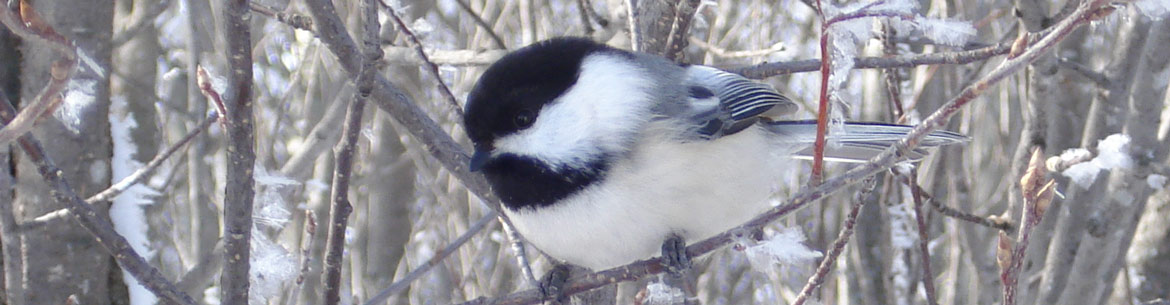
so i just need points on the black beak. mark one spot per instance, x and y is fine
(479, 159)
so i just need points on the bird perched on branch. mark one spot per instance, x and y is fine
(602, 157)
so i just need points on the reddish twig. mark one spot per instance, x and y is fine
(29, 25)
(204, 81)
(1037, 196)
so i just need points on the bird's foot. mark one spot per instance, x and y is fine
(553, 282)
(674, 255)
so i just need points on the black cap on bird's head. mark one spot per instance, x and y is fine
(510, 94)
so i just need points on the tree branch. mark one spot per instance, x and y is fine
(239, 191)
(432, 67)
(826, 264)
(482, 24)
(402, 284)
(340, 208)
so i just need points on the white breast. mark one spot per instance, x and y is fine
(694, 189)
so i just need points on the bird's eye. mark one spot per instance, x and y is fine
(524, 119)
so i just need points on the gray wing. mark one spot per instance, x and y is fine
(725, 103)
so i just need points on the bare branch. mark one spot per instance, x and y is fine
(403, 283)
(146, 171)
(902, 61)
(1096, 77)
(826, 264)
(433, 68)
(239, 192)
(340, 208)
(135, 178)
(409, 56)
(923, 237)
(720, 52)
(482, 24)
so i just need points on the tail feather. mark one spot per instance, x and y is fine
(860, 141)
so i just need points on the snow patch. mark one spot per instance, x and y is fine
(1156, 181)
(660, 293)
(126, 211)
(1112, 153)
(946, 32)
(273, 268)
(785, 248)
(902, 225)
(79, 96)
(1154, 9)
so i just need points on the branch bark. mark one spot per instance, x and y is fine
(239, 191)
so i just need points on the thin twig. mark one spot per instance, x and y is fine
(1097, 77)
(1088, 12)
(482, 24)
(90, 219)
(826, 264)
(893, 79)
(241, 155)
(597, 17)
(432, 67)
(307, 244)
(583, 11)
(990, 222)
(396, 55)
(415, 274)
(902, 61)
(923, 238)
(635, 30)
(296, 21)
(146, 171)
(117, 188)
(341, 208)
(724, 53)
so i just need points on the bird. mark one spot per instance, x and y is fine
(601, 156)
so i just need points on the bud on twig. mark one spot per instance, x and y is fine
(1003, 252)
(1033, 175)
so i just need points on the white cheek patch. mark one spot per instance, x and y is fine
(600, 114)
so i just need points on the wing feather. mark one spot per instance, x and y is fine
(740, 101)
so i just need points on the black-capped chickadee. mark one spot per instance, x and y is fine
(599, 155)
